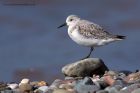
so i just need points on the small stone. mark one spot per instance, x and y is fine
(42, 83)
(67, 78)
(43, 88)
(24, 81)
(102, 91)
(130, 88)
(25, 87)
(102, 84)
(3, 86)
(112, 90)
(13, 86)
(86, 67)
(34, 83)
(6, 91)
(133, 78)
(136, 91)
(62, 91)
(109, 80)
(86, 86)
(66, 86)
(55, 84)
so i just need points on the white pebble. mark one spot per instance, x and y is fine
(43, 88)
(13, 86)
(24, 81)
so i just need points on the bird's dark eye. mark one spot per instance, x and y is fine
(71, 19)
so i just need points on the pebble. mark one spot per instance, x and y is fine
(42, 83)
(136, 91)
(25, 80)
(13, 86)
(130, 88)
(56, 83)
(86, 67)
(43, 88)
(62, 91)
(102, 91)
(3, 86)
(86, 86)
(112, 90)
(133, 78)
(25, 87)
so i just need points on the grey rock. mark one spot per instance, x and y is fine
(43, 88)
(6, 91)
(86, 86)
(130, 88)
(120, 82)
(136, 91)
(102, 91)
(112, 90)
(67, 78)
(103, 84)
(61, 91)
(86, 67)
(55, 84)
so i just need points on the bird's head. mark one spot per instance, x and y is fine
(71, 20)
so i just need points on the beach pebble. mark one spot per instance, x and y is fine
(13, 86)
(62, 91)
(86, 86)
(56, 83)
(86, 67)
(6, 91)
(3, 86)
(136, 91)
(24, 81)
(43, 88)
(133, 78)
(102, 91)
(66, 86)
(42, 83)
(130, 88)
(25, 87)
(112, 90)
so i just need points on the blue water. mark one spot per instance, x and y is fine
(32, 46)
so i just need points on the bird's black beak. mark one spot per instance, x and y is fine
(62, 25)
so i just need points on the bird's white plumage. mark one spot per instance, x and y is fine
(80, 39)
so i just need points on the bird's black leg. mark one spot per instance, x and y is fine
(91, 49)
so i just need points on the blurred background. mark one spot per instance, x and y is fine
(32, 47)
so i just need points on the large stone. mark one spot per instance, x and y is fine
(86, 67)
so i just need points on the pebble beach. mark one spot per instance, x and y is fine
(85, 76)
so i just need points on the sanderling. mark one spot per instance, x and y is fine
(89, 34)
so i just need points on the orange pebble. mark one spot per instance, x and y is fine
(42, 83)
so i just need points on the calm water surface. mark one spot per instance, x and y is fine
(31, 45)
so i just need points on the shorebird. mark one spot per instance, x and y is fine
(89, 34)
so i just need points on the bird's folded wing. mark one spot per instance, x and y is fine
(91, 30)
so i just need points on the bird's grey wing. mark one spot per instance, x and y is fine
(91, 30)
